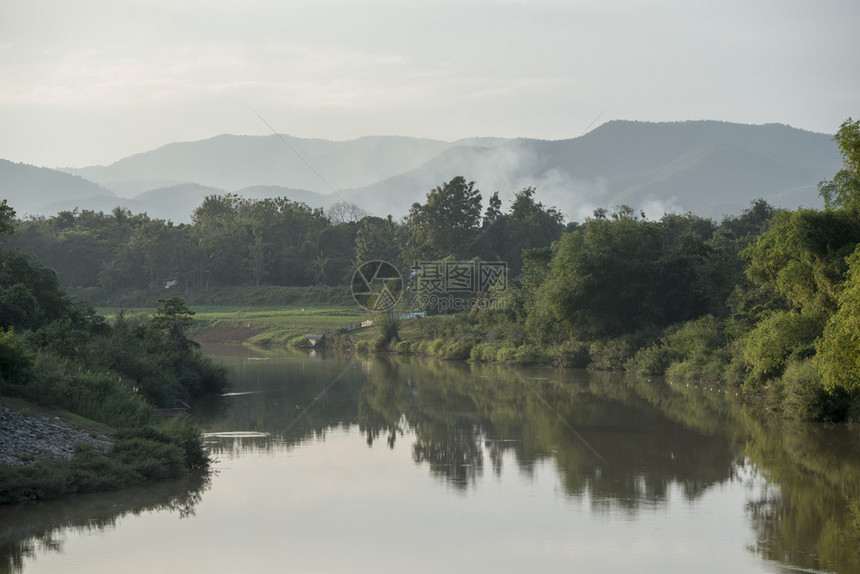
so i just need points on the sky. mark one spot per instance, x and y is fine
(90, 82)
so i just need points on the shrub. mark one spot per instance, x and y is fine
(363, 347)
(406, 347)
(805, 398)
(435, 346)
(609, 354)
(457, 350)
(570, 353)
(651, 360)
(507, 355)
(780, 336)
(527, 355)
(15, 357)
(483, 352)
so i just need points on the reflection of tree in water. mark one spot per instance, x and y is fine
(29, 530)
(804, 520)
(459, 413)
(655, 437)
(453, 454)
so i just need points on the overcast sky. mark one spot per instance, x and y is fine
(88, 82)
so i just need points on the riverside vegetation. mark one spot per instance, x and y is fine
(57, 353)
(766, 300)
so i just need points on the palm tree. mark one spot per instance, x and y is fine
(316, 268)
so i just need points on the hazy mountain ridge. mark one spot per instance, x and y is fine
(711, 168)
(29, 189)
(233, 162)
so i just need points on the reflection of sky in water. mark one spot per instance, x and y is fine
(338, 506)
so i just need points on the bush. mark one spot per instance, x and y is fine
(507, 355)
(651, 360)
(406, 347)
(389, 331)
(781, 336)
(15, 357)
(804, 397)
(528, 355)
(483, 352)
(457, 350)
(435, 346)
(571, 353)
(609, 354)
(363, 347)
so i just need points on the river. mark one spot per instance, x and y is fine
(337, 464)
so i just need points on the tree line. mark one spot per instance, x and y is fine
(276, 241)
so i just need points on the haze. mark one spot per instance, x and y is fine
(93, 81)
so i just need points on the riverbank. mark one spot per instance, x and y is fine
(26, 437)
(47, 453)
(264, 326)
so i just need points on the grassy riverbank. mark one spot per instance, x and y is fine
(264, 325)
(105, 458)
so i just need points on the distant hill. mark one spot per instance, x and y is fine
(233, 162)
(710, 168)
(30, 189)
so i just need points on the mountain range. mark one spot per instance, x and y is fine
(707, 167)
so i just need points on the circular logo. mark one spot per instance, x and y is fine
(377, 286)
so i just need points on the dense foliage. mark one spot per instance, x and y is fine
(57, 352)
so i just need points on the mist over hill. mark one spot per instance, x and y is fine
(231, 162)
(710, 168)
(30, 189)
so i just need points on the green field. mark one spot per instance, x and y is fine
(265, 325)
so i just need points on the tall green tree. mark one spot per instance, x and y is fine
(528, 225)
(173, 318)
(448, 223)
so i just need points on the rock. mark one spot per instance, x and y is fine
(25, 439)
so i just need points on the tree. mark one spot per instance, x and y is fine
(619, 274)
(839, 349)
(344, 211)
(802, 256)
(377, 239)
(528, 225)
(843, 191)
(316, 269)
(173, 318)
(448, 223)
(7, 219)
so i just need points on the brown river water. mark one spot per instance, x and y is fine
(336, 464)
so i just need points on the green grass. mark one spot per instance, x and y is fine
(278, 324)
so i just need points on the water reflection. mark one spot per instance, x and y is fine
(32, 529)
(622, 443)
(621, 446)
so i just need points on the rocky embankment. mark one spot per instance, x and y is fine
(24, 439)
